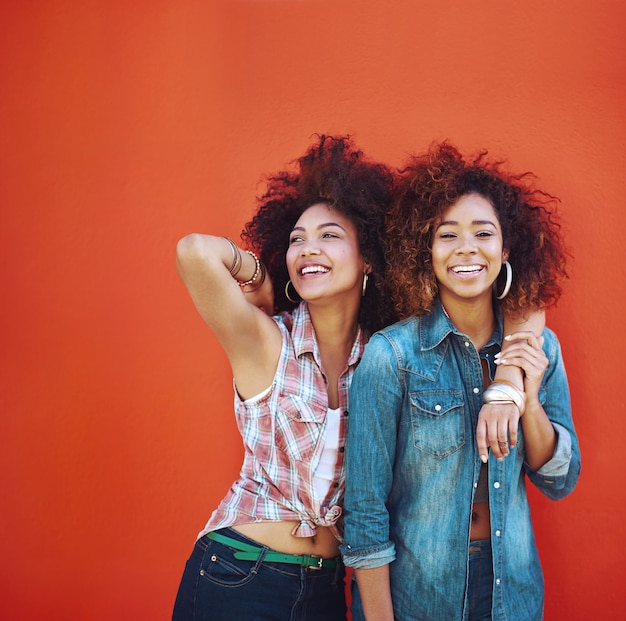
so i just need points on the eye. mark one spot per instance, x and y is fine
(329, 235)
(294, 239)
(447, 235)
(484, 234)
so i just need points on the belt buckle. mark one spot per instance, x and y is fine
(318, 559)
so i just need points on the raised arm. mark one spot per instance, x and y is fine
(215, 272)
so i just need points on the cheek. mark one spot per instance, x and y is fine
(290, 257)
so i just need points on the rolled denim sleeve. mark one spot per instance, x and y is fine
(558, 477)
(375, 405)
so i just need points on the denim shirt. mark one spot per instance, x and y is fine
(412, 467)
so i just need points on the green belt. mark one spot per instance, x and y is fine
(252, 553)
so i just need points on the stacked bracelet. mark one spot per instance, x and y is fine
(257, 271)
(236, 264)
(501, 391)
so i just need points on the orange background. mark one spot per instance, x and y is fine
(125, 125)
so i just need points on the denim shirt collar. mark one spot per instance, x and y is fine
(436, 326)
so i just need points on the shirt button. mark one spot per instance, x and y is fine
(496, 485)
(342, 449)
(335, 484)
(497, 533)
(437, 408)
(466, 343)
(345, 413)
(476, 391)
(497, 580)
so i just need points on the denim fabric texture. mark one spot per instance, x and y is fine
(412, 466)
(480, 581)
(218, 587)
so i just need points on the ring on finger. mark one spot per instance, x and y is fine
(502, 443)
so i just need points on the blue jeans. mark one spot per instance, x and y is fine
(217, 587)
(480, 585)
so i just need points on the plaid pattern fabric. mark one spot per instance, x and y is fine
(281, 434)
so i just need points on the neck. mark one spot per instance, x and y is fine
(336, 326)
(472, 317)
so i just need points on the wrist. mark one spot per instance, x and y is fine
(503, 391)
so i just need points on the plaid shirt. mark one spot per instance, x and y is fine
(281, 434)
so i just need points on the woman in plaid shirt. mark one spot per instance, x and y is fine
(292, 313)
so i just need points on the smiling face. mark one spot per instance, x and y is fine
(467, 250)
(323, 257)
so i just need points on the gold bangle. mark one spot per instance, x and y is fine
(257, 270)
(257, 285)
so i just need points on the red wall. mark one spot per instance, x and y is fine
(125, 125)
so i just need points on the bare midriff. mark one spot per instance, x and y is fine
(481, 524)
(277, 536)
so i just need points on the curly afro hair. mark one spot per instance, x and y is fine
(332, 171)
(432, 182)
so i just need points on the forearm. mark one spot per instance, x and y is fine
(535, 322)
(375, 593)
(197, 253)
(539, 435)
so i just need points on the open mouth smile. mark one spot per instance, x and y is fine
(467, 269)
(314, 269)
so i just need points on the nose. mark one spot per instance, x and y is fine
(466, 244)
(309, 249)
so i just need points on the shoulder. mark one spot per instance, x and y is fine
(394, 340)
(551, 344)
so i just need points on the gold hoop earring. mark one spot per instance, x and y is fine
(364, 285)
(509, 280)
(287, 292)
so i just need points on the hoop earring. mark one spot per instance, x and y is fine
(287, 292)
(509, 280)
(364, 285)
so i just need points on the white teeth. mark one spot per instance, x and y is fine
(466, 269)
(313, 269)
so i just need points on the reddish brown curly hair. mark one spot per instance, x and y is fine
(432, 182)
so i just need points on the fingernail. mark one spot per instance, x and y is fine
(484, 459)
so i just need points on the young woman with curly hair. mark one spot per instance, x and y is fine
(436, 525)
(292, 312)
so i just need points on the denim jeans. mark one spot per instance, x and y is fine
(217, 587)
(480, 581)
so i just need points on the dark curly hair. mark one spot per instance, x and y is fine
(432, 182)
(332, 171)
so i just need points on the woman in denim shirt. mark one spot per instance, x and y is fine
(437, 521)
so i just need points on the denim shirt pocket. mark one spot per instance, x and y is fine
(438, 421)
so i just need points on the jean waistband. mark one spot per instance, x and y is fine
(480, 547)
(249, 552)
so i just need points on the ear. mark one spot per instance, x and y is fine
(505, 255)
(367, 268)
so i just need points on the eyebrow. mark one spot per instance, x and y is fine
(321, 226)
(474, 222)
